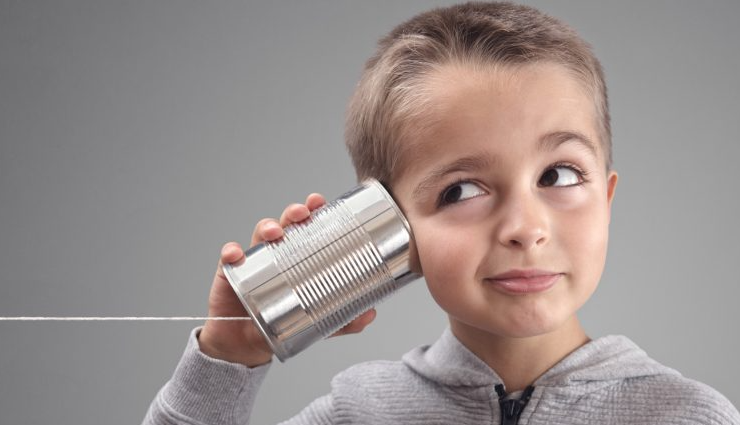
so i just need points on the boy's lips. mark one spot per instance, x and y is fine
(524, 281)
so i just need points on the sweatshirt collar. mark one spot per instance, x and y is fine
(608, 358)
(449, 362)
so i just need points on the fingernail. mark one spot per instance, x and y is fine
(271, 226)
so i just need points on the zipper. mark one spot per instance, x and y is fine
(511, 409)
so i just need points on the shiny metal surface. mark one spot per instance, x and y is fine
(347, 257)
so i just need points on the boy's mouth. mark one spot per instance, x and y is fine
(528, 281)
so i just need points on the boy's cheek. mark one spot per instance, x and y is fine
(455, 218)
(414, 261)
(581, 232)
(573, 211)
(584, 249)
(444, 282)
(569, 199)
(443, 251)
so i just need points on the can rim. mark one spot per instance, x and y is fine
(257, 319)
(391, 201)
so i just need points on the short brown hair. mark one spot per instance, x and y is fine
(389, 93)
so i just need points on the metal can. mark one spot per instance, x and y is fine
(327, 270)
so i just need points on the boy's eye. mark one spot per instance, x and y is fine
(459, 192)
(562, 176)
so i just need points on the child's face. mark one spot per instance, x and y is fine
(506, 175)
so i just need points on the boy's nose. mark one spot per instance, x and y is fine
(523, 224)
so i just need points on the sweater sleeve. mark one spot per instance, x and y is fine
(204, 391)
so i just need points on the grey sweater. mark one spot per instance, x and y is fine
(607, 381)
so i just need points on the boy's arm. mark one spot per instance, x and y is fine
(204, 390)
(224, 363)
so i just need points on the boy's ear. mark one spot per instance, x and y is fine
(611, 187)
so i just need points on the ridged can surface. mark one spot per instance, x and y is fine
(346, 258)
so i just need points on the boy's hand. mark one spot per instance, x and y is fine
(241, 341)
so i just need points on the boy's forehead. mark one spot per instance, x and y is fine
(542, 97)
(449, 86)
(452, 78)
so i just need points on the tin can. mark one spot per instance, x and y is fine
(351, 254)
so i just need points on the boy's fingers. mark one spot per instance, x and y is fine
(266, 229)
(314, 201)
(231, 252)
(294, 213)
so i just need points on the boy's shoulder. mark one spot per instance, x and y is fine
(444, 366)
(611, 377)
(683, 399)
(377, 376)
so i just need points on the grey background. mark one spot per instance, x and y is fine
(137, 137)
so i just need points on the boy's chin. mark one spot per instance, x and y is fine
(557, 322)
(531, 328)
(515, 328)
(530, 332)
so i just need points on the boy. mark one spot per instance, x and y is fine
(489, 123)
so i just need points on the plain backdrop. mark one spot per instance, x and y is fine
(136, 137)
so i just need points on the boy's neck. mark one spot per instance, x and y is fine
(520, 361)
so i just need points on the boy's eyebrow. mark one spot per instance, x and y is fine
(466, 163)
(549, 141)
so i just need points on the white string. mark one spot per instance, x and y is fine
(109, 319)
